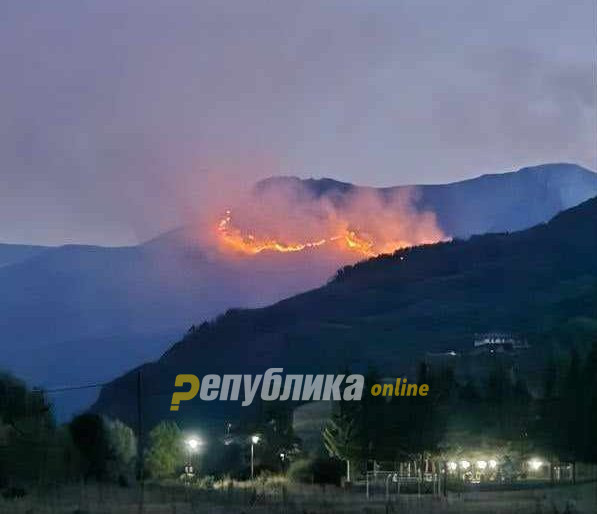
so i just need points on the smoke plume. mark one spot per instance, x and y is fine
(290, 215)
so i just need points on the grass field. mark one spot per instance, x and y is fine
(103, 499)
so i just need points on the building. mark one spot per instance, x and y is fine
(497, 342)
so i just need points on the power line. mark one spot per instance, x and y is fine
(61, 389)
(69, 388)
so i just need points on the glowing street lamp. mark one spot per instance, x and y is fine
(254, 440)
(452, 466)
(193, 444)
(535, 464)
(492, 464)
(465, 464)
(481, 464)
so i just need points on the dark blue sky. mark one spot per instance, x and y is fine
(121, 119)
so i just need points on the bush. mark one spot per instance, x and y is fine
(316, 471)
(90, 437)
(300, 471)
(206, 482)
(165, 454)
(327, 471)
(123, 451)
(107, 448)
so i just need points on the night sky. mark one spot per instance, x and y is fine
(121, 119)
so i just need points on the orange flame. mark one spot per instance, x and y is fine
(348, 239)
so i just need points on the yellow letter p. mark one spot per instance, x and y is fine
(188, 395)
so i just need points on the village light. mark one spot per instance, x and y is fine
(452, 466)
(254, 441)
(493, 463)
(465, 464)
(535, 464)
(193, 443)
(481, 464)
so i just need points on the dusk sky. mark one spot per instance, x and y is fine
(120, 119)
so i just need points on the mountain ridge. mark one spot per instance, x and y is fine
(387, 311)
(492, 202)
(126, 304)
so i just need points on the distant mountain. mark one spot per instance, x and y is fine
(388, 311)
(12, 253)
(89, 313)
(499, 202)
(508, 201)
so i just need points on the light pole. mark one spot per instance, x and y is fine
(254, 441)
(193, 444)
(283, 459)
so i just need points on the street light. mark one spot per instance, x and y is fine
(535, 464)
(193, 444)
(254, 440)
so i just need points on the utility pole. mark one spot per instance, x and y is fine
(140, 470)
(252, 461)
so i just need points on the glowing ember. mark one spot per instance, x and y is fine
(348, 239)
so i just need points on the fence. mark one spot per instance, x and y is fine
(391, 484)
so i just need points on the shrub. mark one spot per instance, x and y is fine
(165, 454)
(316, 471)
(327, 471)
(300, 471)
(90, 437)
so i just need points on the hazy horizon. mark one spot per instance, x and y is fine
(180, 227)
(122, 120)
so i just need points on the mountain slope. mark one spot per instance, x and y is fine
(13, 253)
(125, 305)
(388, 311)
(75, 307)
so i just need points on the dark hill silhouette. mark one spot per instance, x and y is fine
(13, 253)
(388, 312)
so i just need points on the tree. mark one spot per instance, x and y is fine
(26, 430)
(107, 448)
(165, 453)
(274, 425)
(342, 435)
(430, 413)
(572, 413)
(341, 439)
(90, 437)
(545, 432)
(123, 450)
(590, 428)
(371, 418)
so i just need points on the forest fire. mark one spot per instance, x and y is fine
(345, 238)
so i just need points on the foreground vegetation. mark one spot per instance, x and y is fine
(92, 464)
(94, 498)
(489, 411)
